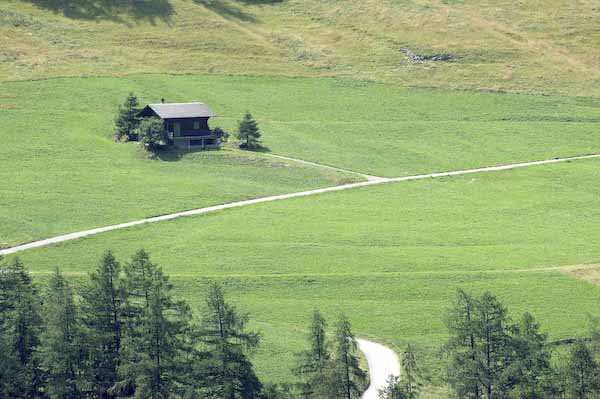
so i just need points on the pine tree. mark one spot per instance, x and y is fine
(410, 376)
(154, 334)
(463, 369)
(393, 389)
(313, 363)
(61, 350)
(347, 378)
(248, 133)
(127, 119)
(103, 302)
(226, 371)
(20, 326)
(582, 372)
(495, 346)
(530, 375)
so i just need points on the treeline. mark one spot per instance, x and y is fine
(490, 356)
(123, 334)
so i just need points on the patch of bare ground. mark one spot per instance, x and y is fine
(589, 273)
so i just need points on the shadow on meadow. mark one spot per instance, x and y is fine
(228, 9)
(112, 10)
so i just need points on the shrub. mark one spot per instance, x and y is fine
(152, 134)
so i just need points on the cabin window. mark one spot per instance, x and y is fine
(177, 128)
(195, 143)
(196, 125)
(210, 142)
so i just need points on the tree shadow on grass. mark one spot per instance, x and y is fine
(112, 10)
(228, 9)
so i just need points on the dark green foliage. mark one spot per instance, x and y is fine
(347, 379)
(62, 352)
(530, 375)
(221, 134)
(582, 375)
(463, 368)
(408, 385)
(227, 373)
(152, 134)
(155, 328)
(20, 326)
(393, 389)
(127, 119)
(410, 380)
(248, 133)
(102, 310)
(313, 363)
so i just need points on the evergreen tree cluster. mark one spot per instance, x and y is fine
(330, 369)
(123, 335)
(490, 357)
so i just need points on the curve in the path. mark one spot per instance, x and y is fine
(320, 165)
(383, 363)
(200, 211)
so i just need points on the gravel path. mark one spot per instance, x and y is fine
(373, 181)
(383, 362)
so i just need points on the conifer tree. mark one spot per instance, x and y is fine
(61, 350)
(582, 372)
(226, 371)
(248, 133)
(463, 368)
(127, 119)
(410, 377)
(530, 375)
(495, 346)
(347, 378)
(103, 302)
(313, 363)
(153, 338)
(20, 326)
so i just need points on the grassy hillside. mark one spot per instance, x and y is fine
(62, 172)
(390, 256)
(498, 44)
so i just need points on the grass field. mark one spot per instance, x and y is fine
(61, 171)
(495, 45)
(390, 256)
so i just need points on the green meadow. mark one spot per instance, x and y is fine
(62, 172)
(390, 256)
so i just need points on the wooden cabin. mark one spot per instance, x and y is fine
(186, 124)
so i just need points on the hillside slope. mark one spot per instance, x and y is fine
(491, 44)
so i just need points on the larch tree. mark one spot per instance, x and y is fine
(347, 378)
(226, 370)
(410, 379)
(103, 310)
(462, 347)
(582, 372)
(20, 327)
(154, 333)
(313, 363)
(61, 351)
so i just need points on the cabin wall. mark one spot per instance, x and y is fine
(188, 126)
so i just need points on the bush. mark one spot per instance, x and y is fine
(152, 134)
(221, 134)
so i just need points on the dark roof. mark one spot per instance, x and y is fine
(182, 110)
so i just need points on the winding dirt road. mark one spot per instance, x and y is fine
(383, 363)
